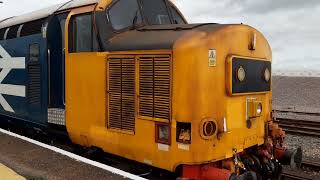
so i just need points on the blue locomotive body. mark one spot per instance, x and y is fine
(32, 72)
(24, 91)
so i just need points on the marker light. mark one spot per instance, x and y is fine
(254, 108)
(267, 75)
(163, 133)
(259, 109)
(241, 74)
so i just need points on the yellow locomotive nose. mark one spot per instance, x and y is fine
(220, 74)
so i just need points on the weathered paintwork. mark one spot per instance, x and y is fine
(199, 91)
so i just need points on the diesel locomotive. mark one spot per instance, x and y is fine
(133, 78)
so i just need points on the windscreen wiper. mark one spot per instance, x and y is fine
(135, 18)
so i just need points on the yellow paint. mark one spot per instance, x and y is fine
(8, 174)
(198, 91)
(103, 4)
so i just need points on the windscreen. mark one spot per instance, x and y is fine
(155, 12)
(129, 13)
(124, 13)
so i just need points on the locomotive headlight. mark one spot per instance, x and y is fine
(241, 74)
(267, 75)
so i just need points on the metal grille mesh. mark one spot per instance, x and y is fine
(154, 82)
(122, 93)
(34, 84)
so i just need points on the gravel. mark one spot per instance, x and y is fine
(310, 148)
(300, 94)
(296, 91)
(310, 145)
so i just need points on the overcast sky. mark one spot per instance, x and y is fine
(291, 26)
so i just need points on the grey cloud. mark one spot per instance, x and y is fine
(256, 6)
(291, 26)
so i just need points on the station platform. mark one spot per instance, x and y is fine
(8, 174)
(20, 159)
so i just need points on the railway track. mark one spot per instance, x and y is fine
(298, 122)
(299, 175)
(291, 175)
(311, 164)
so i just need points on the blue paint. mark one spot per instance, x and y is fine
(30, 111)
(19, 47)
(55, 45)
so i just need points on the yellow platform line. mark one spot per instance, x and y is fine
(8, 174)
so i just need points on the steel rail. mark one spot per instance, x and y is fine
(312, 164)
(302, 123)
(290, 175)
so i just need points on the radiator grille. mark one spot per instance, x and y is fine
(154, 90)
(122, 93)
(34, 85)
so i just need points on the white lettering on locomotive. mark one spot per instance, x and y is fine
(7, 63)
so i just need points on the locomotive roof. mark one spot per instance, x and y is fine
(43, 13)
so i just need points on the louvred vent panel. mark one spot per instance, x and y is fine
(122, 93)
(154, 86)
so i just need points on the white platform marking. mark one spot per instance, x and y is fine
(76, 157)
(7, 63)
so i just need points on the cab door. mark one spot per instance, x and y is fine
(85, 73)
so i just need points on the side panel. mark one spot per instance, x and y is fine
(24, 89)
(85, 94)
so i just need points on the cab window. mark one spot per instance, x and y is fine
(83, 38)
(156, 12)
(124, 13)
(82, 33)
(177, 18)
